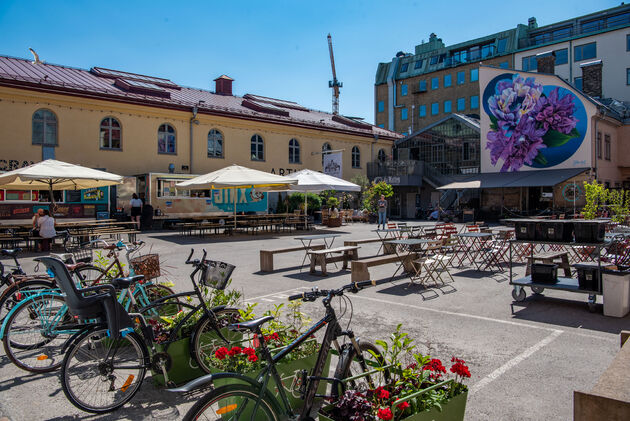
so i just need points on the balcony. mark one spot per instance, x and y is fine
(397, 173)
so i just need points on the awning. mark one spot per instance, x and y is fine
(514, 179)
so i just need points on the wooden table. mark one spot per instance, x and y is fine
(307, 240)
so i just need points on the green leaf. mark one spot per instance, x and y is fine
(554, 138)
(540, 159)
(493, 123)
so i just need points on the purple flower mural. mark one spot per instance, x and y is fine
(525, 122)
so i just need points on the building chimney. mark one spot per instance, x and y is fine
(531, 23)
(223, 85)
(592, 78)
(546, 62)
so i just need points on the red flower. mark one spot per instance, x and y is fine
(460, 369)
(382, 393)
(412, 366)
(403, 406)
(435, 365)
(457, 360)
(221, 353)
(252, 358)
(249, 351)
(385, 414)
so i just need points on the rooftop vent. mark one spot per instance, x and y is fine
(223, 85)
(277, 102)
(264, 108)
(138, 87)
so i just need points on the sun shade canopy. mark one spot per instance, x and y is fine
(314, 181)
(237, 176)
(514, 179)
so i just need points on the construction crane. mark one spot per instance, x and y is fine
(334, 84)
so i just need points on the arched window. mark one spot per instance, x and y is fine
(44, 128)
(325, 147)
(294, 151)
(258, 148)
(215, 144)
(167, 141)
(382, 156)
(356, 157)
(110, 136)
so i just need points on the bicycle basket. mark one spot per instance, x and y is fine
(147, 265)
(81, 254)
(216, 274)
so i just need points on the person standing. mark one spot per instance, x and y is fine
(382, 212)
(46, 225)
(136, 209)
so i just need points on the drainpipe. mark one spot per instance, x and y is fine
(193, 120)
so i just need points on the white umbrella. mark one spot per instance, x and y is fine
(57, 175)
(234, 177)
(314, 181)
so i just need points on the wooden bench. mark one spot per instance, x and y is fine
(266, 256)
(559, 257)
(360, 267)
(321, 258)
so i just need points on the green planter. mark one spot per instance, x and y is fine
(183, 365)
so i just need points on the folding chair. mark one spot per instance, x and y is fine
(431, 265)
(451, 247)
(391, 225)
(472, 228)
(496, 254)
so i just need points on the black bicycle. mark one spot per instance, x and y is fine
(248, 398)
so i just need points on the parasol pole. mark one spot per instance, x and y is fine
(234, 193)
(305, 211)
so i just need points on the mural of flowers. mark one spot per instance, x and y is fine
(531, 123)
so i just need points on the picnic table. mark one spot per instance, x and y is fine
(472, 243)
(324, 256)
(307, 241)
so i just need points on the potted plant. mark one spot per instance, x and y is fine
(334, 218)
(416, 391)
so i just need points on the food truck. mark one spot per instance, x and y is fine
(169, 202)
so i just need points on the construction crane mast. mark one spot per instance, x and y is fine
(334, 84)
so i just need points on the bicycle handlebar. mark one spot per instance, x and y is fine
(353, 287)
(196, 262)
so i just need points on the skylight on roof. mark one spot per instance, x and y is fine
(138, 87)
(114, 74)
(264, 108)
(276, 102)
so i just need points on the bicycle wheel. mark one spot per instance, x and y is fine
(18, 291)
(36, 331)
(235, 402)
(88, 274)
(95, 384)
(206, 341)
(153, 292)
(349, 366)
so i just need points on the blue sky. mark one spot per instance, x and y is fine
(270, 48)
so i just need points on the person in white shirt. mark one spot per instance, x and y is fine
(136, 209)
(46, 225)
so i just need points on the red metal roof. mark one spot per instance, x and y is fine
(23, 73)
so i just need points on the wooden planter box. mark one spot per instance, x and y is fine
(333, 222)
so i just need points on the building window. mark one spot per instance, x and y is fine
(422, 86)
(215, 144)
(403, 90)
(474, 102)
(294, 151)
(382, 156)
(382, 126)
(403, 114)
(435, 83)
(585, 51)
(257, 148)
(110, 133)
(404, 67)
(466, 151)
(356, 157)
(578, 83)
(44, 128)
(326, 147)
(447, 81)
(167, 142)
(529, 64)
(381, 106)
(461, 104)
(562, 56)
(627, 42)
(627, 76)
(504, 64)
(447, 106)
(607, 147)
(423, 111)
(598, 145)
(474, 75)
(502, 45)
(435, 108)
(461, 78)
(433, 60)
(418, 64)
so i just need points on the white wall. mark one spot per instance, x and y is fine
(611, 49)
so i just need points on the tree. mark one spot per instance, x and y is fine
(595, 195)
(363, 182)
(373, 194)
(296, 201)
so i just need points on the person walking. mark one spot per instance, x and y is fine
(46, 225)
(136, 209)
(382, 212)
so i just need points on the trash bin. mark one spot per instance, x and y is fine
(616, 285)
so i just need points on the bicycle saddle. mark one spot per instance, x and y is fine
(11, 252)
(72, 267)
(96, 302)
(126, 282)
(252, 325)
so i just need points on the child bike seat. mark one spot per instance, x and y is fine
(96, 302)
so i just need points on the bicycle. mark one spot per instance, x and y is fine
(36, 329)
(106, 361)
(250, 399)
